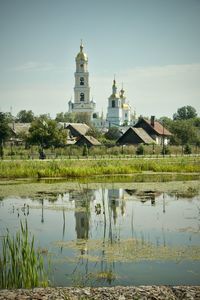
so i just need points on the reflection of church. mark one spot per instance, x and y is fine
(82, 211)
(116, 200)
(118, 110)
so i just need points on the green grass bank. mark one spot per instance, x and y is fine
(85, 168)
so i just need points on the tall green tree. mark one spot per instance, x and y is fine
(185, 113)
(4, 131)
(46, 133)
(113, 133)
(25, 116)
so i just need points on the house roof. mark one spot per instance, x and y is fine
(90, 139)
(143, 135)
(158, 128)
(82, 128)
(18, 128)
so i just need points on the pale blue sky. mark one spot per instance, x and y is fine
(153, 46)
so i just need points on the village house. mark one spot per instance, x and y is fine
(18, 132)
(87, 140)
(77, 129)
(155, 130)
(135, 136)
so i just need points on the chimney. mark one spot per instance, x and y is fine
(152, 121)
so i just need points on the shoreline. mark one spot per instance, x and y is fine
(118, 292)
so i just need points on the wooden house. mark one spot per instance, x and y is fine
(135, 136)
(156, 130)
(77, 129)
(87, 140)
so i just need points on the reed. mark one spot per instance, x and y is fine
(91, 167)
(20, 265)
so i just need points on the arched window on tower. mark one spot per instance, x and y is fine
(82, 81)
(113, 103)
(82, 97)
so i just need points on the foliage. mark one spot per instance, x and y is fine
(4, 128)
(187, 149)
(112, 134)
(25, 116)
(85, 168)
(20, 265)
(185, 113)
(165, 150)
(94, 132)
(140, 150)
(82, 117)
(46, 133)
(184, 132)
(65, 117)
(4, 132)
(85, 150)
(9, 117)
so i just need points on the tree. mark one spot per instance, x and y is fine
(4, 131)
(46, 133)
(112, 134)
(184, 132)
(65, 117)
(83, 117)
(185, 113)
(25, 116)
(93, 131)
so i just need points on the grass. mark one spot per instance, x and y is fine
(20, 265)
(87, 168)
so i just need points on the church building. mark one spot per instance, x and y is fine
(119, 111)
(82, 102)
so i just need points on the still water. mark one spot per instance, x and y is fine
(112, 236)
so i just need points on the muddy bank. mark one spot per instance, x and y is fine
(119, 292)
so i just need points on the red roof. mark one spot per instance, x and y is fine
(158, 128)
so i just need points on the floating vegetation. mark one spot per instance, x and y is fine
(129, 250)
(20, 265)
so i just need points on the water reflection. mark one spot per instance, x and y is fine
(104, 233)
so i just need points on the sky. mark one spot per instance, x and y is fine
(152, 46)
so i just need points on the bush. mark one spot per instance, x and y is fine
(187, 149)
(85, 150)
(165, 150)
(140, 150)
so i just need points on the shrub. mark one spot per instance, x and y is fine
(165, 150)
(140, 150)
(187, 149)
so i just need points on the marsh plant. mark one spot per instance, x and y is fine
(21, 266)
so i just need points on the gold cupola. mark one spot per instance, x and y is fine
(81, 55)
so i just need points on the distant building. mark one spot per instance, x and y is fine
(119, 111)
(87, 140)
(135, 136)
(156, 130)
(77, 129)
(82, 102)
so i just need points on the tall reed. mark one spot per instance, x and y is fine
(20, 265)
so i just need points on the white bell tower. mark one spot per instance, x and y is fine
(82, 101)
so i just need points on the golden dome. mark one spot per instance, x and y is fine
(81, 55)
(125, 106)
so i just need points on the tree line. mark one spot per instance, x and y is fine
(46, 132)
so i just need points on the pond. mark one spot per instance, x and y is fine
(116, 234)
